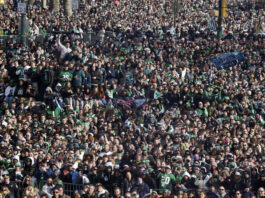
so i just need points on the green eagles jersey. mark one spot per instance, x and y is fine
(165, 180)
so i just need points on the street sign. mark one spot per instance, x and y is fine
(75, 4)
(22, 8)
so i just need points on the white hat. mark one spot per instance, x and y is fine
(75, 166)
(109, 164)
(237, 173)
(16, 157)
(5, 173)
(236, 140)
(178, 158)
(91, 134)
(214, 164)
(186, 174)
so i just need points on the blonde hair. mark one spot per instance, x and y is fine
(4, 193)
(31, 193)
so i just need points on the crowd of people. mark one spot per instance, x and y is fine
(140, 112)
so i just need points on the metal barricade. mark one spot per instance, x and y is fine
(70, 189)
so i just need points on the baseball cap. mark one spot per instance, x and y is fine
(237, 174)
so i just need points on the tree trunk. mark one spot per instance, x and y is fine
(44, 4)
(55, 5)
(68, 7)
(31, 2)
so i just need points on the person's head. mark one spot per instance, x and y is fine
(61, 190)
(261, 192)
(168, 169)
(117, 192)
(99, 187)
(221, 190)
(128, 195)
(67, 45)
(5, 190)
(135, 194)
(6, 177)
(91, 189)
(140, 179)
(27, 180)
(56, 193)
(237, 175)
(238, 194)
(77, 194)
(44, 196)
(212, 188)
(129, 175)
(49, 181)
(202, 194)
(21, 82)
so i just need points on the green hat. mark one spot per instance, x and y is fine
(145, 148)
(79, 122)
(60, 182)
(177, 165)
(233, 164)
(18, 164)
(178, 178)
(150, 170)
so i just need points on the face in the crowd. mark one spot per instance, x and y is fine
(99, 187)
(127, 195)
(221, 190)
(261, 192)
(6, 179)
(117, 192)
(61, 191)
(140, 180)
(128, 175)
(238, 194)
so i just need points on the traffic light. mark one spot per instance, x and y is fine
(224, 9)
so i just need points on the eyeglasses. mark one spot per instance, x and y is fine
(127, 196)
(238, 193)
(56, 192)
(221, 189)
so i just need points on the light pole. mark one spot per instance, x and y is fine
(175, 11)
(23, 25)
(220, 18)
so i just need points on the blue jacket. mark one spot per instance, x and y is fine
(142, 188)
